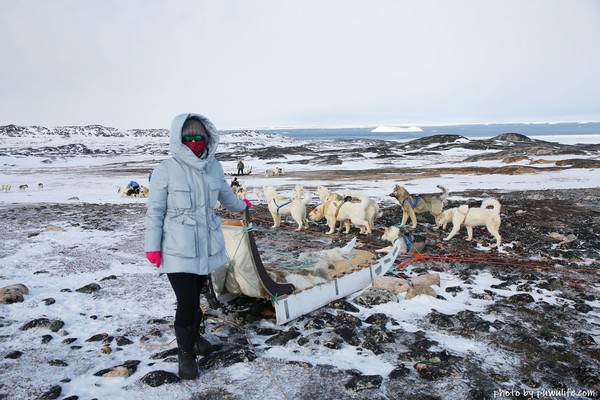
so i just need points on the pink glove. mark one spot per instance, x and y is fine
(153, 257)
(248, 204)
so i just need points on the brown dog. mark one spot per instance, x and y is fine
(418, 204)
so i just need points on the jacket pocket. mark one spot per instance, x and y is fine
(217, 240)
(180, 237)
(181, 199)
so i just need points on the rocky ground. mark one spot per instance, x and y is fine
(552, 244)
(555, 239)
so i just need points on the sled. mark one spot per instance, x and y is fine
(340, 273)
(244, 174)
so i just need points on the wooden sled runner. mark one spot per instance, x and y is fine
(335, 273)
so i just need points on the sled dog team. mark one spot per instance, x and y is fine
(7, 187)
(358, 209)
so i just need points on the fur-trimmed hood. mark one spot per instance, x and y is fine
(182, 153)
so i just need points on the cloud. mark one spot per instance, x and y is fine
(264, 63)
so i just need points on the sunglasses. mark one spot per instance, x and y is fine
(196, 138)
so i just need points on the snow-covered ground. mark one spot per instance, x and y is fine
(90, 246)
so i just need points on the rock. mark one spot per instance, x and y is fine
(399, 372)
(282, 338)
(588, 375)
(364, 382)
(54, 325)
(333, 343)
(372, 346)
(58, 363)
(430, 279)
(164, 354)
(439, 319)
(348, 334)
(120, 371)
(51, 393)
(343, 305)
(89, 289)
(419, 290)
(378, 319)
(391, 284)
(159, 378)
(49, 301)
(583, 308)
(378, 334)
(521, 298)
(584, 339)
(54, 228)
(13, 355)
(433, 372)
(227, 357)
(343, 318)
(122, 341)
(13, 293)
(374, 296)
(98, 337)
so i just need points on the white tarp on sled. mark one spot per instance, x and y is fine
(318, 277)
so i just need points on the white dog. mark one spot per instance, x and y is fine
(277, 171)
(372, 211)
(470, 217)
(279, 205)
(23, 187)
(344, 211)
(407, 242)
(323, 194)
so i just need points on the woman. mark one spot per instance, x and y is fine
(183, 234)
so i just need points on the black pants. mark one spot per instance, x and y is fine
(187, 289)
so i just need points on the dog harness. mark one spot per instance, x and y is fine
(280, 206)
(412, 203)
(408, 240)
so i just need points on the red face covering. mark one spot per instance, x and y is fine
(196, 147)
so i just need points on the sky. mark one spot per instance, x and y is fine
(280, 63)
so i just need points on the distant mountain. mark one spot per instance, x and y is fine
(81, 131)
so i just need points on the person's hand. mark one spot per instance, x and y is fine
(153, 257)
(248, 204)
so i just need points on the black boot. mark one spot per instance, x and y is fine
(188, 368)
(202, 347)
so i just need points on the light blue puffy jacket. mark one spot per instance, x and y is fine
(180, 218)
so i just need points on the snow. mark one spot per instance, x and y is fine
(95, 254)
(390, 128)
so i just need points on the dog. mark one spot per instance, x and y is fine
(408, 243)
(371, 212)
(323, 194)
(40, 186)
(23, 187)
(487, 215)
(240, 191)
(345, 212)
(277, 171)
(418, 204)
(126, 192)
(5, 188)
(144, 191)
(279, 205)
